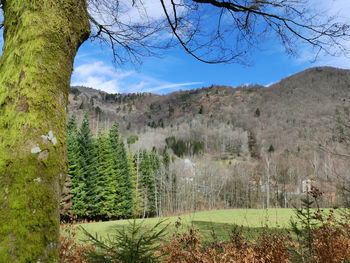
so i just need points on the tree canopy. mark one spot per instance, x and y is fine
(215, 31)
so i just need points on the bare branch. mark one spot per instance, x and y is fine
(183, 44)
(215, 31)
(288, 19)
(129, 39)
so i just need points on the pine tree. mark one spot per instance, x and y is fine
(124, 203)
(106, 182)
(136, 185)
(167, 185)
(306, 220)
(88, 164)
(75, 172)
(257, 112)
(72, 124)
(147, 184)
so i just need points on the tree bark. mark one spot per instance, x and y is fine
(41, 39)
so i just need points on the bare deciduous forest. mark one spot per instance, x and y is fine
(243, 147)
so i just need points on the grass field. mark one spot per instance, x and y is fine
(221, 221)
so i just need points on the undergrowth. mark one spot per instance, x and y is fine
(316, 237)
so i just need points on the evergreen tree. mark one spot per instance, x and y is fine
(88, 164)
(166, 159)
(106, 182)
(147, 184)
(72, 124)
(257, 112)
(75, 172)
(124, 204)
(200, 110)
(135, 184)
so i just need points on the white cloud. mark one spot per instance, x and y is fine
(340, 10)
(104, 77)
(109, 86)
(173, 86)
(338, 62)
(99, 76)
(100, 68)
(142, 11)
(271, 83)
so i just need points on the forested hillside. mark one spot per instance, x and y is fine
(248, 146)
(286, 114)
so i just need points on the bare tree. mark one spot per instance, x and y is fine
(337, 150)
(214, 31)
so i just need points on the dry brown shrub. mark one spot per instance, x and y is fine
(272, 248)
(331, 241)
(188, 248)
(72, 251)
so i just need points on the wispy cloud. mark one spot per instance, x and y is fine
(270, 84)
(101, 76)
(130, 13)
(173, 86)
(340, 10)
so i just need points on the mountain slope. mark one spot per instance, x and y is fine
(291, 115)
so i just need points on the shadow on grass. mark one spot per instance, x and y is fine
(222, 230)
(206, 229)
(114, 228)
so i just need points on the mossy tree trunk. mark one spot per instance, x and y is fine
(41, 38)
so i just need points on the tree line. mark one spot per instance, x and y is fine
(105, 180)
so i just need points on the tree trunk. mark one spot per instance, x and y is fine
(41, 39)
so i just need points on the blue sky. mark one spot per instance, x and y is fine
(177, 70)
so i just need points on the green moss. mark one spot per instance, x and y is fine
(41, 40)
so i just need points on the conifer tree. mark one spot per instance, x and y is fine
(167, 184)
(88, 164)
(124, 203)
(147, 184)
(75, 172)
(106, 182)
(135, 184)
(72, 124)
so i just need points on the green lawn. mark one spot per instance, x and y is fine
(221, 221)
